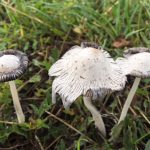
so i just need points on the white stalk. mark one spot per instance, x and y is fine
(96, 115)
(129, 99)
(18, 109)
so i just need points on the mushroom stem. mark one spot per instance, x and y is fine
(96, 115)
(129, 99)
(18, 109)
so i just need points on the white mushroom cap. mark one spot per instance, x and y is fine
(136, 62)
(13, 63)
(85, 70)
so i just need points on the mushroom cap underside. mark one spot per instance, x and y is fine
(13, 64)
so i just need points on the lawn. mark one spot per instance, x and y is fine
(45, 30)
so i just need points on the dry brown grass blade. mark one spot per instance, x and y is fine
(70, 126)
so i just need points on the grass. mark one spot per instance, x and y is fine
(44, 30)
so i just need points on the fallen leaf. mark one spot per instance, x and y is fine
(121, 42)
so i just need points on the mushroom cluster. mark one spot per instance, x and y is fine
(13, 64)
(90, 71)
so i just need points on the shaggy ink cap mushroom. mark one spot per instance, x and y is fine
(86, 70)
(13, 64)
(82, 69)
(135, 63)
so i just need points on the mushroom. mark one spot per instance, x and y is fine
(13, 64)
(86, 70)
(135, 63)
